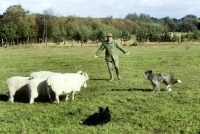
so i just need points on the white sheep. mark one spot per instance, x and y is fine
(63, 84)
(17, 84)
(40, 74)
(37, 86)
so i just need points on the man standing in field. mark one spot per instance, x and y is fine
(111, 54)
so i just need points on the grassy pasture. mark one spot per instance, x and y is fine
(134, 108)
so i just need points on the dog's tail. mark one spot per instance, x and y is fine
(176, 81)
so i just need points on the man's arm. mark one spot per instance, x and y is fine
(102, 47)
(121, 48)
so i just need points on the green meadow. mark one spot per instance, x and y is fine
(134, 108)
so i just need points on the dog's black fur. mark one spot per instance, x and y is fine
(100, 118)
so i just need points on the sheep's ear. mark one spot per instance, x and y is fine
(85, 74)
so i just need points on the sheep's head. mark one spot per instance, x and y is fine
(86, 79)
(83, 74)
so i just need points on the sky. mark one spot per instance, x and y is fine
(106, 8)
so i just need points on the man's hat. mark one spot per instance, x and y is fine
(109, 35)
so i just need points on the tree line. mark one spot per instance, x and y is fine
(19, 26)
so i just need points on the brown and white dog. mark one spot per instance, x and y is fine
(157, 78)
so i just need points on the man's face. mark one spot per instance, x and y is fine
(109, 38)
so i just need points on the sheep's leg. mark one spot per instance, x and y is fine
(31, 100)
(32, 95)
(73, 95)
(11, 99)
(29, 94)
(67, 98)
(57, 99)
(50, 97)
(49, 94)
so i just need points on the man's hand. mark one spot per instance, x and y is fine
(127, 53)
(95, 56)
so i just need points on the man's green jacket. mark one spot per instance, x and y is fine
(111, 50)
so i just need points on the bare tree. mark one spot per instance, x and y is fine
(47, 17)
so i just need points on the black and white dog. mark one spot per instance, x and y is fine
(157, 78)
(102, 117)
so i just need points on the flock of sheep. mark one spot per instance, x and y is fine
(46, 82)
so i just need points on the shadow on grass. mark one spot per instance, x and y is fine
(24, 98)
(100, 79)
(19, 97)
(3, 97)
(133, 89)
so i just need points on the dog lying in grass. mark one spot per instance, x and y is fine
(102, 117)
(157, 78)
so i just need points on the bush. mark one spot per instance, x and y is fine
(134, 44)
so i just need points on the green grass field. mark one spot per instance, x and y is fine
(134, 108)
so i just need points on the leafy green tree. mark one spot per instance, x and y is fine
(71, 30)
(196, 35)
(102, 29)
(24, 30)
(101, 34)
(57, 35)
(62, 22)
(76, 36)
(9, 31)
(170, 23)
(182, 37)
(155, 31)
(174, 38)
(33, 26)
(84, 33)
(40, 24)
(189, 36)
(144, 27)
(142, 34)
(2, 34)
(166, 37)
(14, 14)
(93, 35)
(145, 18)
(17, 15)
(126, 36)
(132, 16)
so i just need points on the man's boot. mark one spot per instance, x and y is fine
(117, 72)
(111, 74)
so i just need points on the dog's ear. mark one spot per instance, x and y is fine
(150, 71)
(107, 109)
